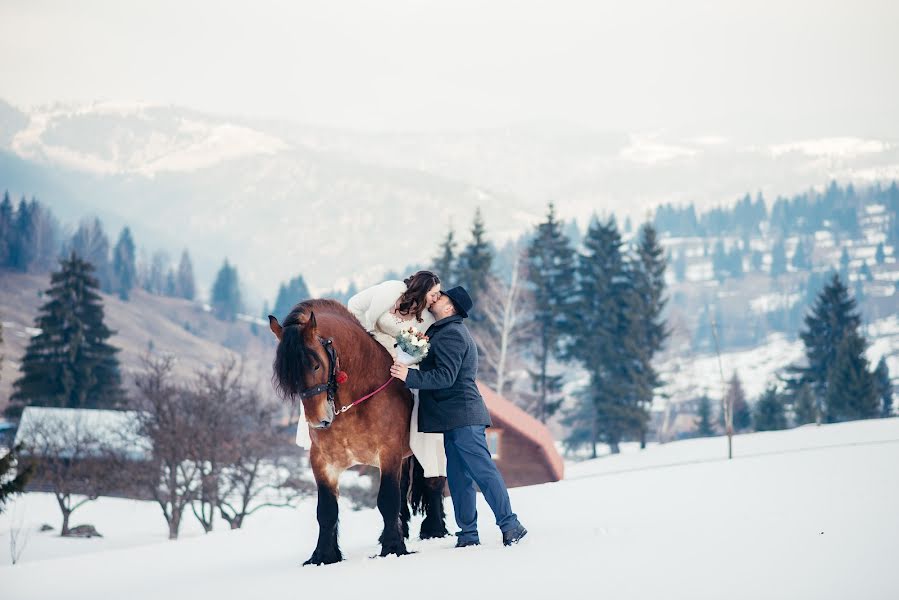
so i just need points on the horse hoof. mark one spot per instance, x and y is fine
(317, 560)
(431, 532)
(399, 550)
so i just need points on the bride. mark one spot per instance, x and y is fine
(385, 310)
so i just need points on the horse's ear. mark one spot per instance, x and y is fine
(275, 326)
(309, 326)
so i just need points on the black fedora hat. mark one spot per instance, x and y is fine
(460, 299)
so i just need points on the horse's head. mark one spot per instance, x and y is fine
(302, 365)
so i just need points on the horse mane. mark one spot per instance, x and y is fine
(320, 305)
(293, 360)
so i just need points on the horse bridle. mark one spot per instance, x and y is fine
(331, 386)
(333, 383)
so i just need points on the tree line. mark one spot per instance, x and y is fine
(598, 305)
(31, 241)
(835, 208)
(834, 383)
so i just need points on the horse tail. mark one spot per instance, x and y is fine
(418, 494)
(289, 365)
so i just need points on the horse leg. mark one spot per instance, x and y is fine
(434, 524)
(389, 501)
(326, 551)
(405, 483)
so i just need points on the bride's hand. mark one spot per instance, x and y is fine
(399, 370)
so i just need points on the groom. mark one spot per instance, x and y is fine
(449, 402)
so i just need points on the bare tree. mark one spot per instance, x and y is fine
(171, 476)
(71, 454)
(253, 481)
(242, 460)
(505, 306)
(219, 395)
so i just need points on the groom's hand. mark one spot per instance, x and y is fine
(399, 370)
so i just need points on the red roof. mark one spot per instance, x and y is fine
(513, 417)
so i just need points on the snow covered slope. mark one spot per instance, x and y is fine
(805, 513)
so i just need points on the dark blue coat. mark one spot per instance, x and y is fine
(448, 396)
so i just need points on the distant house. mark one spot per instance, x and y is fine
(87, 437)
(522, 447)
(86, 431)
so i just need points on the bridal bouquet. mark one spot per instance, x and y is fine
(411, 346)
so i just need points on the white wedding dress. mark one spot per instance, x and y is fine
(372, 307)
(427, 447)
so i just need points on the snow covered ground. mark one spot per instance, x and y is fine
(807, 513)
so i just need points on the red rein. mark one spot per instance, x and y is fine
(343, 409)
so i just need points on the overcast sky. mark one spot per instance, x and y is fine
(774, 68)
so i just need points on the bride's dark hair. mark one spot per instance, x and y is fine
(414, 299)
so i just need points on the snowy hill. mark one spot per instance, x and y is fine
(166, 325)
(805, 513)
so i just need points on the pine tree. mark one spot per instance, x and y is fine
(185, 278)
(551, 277)
(648, 280)
(171, 284)
(7, 231)
(12, 479)
(155, 281)
(226, 300)
(832, 318)
(91, 244)
(865, 272)
(884, 387)
(704, 418)
(805, 409)
(289, 295)
(475, 261)
(652, 264)
(123, 264)
(445, 263)
(879, 256)
(844, 265)
(735, 262)
(851, 388)
(69, 363)
(742, 415)
(43, 238)
(22, 253)
(778, 259)
(801, 260)
(605, 343)
(769, 412)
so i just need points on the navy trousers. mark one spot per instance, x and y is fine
(468, 462)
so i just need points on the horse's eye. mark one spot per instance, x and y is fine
(316, 368)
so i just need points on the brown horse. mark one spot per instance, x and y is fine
(318, 340)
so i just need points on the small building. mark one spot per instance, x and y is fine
(84, 432)
(522, 447)
(77, 443)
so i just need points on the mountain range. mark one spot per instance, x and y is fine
(339, 206)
